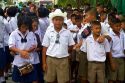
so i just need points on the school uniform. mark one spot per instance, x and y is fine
(74, 28)
(42, 27)
(15, 41)
(38, 59)
(57, 54)
(7, 30)
(105, 28)
(13, 23)
(117, 49)
(83, 63)
(68, 22)
(96, 56)
(2, 53)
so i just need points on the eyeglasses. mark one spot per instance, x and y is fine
(57, 39)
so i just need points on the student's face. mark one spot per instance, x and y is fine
(73, 20)
(34, 26)
(103, 17)
(58, 22)
(96, 29)
(78, 22)
(116, 27)
(123, 25)
(23, 28)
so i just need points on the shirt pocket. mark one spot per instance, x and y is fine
(101, 49)
(52, 38)
(64, 39)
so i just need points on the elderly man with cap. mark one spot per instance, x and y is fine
(56, 44)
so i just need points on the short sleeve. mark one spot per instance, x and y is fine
(107, 46)
(84, 46)
(70, 40)
(46, 40)
(12, 40)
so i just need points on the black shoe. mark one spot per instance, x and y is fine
(3, 82)
(6, 78)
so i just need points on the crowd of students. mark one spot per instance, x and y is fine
(62, 45)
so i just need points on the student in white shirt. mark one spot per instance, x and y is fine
(11, 12)
(96, 54)
(9, 58)
(123, 30)
(37, 53)
(2, 53)
(43, 21)
(117, 49)
(23, 43)
(56, 43)
(71, 21)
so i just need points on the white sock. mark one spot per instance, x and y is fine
(5, 74)
(2, 79)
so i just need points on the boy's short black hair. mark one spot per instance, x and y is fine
(12, 11)
(43, 12)
(69, 5)
(123, 21)
(1, 12)
(73, 15)
(24, 19)
(115, 20)
(100, 5)
(95, 23)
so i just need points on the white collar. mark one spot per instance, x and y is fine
(53, 30)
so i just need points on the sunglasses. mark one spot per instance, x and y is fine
(57, 39)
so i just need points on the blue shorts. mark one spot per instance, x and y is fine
(9, 57)
(2, 59)
(33, 76)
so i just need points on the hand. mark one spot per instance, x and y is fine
(76, 47)
(12, 53)
(45, 67)
(113, 66)
(31, 49)
(109, 38)
(24, 54)
(101, 39)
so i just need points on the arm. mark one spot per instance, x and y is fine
(111, 62)
(24, 54)
(44, 58)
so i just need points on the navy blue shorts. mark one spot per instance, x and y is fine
(33, 76)
(39, 73)
(2, 59)
(9, 57)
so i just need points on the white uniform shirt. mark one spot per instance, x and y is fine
(117, 45)
(13, 23)
(79, 36)
(7, 30)
(123, 33)
(15, 41)
(43, 25)
(95, 51)
(105, 28)
(74, 28)
(58, 50)
(68, 22)
(2, 32)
